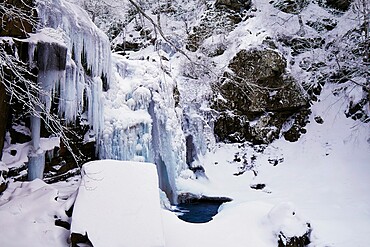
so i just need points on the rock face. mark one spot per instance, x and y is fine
(14, 26)
(291, 6)
(256, 98)
(236, 5)
(342, 5)
(222, 17)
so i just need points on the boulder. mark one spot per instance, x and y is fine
(222, 17)
(300, 45)
(255, 98)
(290, 228)
(117, 204)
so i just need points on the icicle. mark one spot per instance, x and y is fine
(88, 60)
(36, 157)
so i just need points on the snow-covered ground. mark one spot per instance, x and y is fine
(325, 175)
(323, 178)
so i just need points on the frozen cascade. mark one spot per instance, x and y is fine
(88, 61)
(73, 58)
(141, 123)
(197, 121)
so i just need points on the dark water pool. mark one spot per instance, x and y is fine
(198, 212)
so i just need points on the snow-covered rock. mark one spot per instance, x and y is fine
(118, 204)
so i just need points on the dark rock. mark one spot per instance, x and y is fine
(192, 198)
(69, 211)
(357, 111)
(256, 98)
(78, 238)
(300, 119)
(258, 186)
(231, 128)
(222, 17)
(3, 178)
(308, 64)
(275, 162)
(296, 241)
(342, 5)
(236, 5)
(18, 137)
(269, 43)
(258, 65)
(51, 56)
(319, 120)
(300, 45)
(323, 25)
(291, 6)
(3, 186)
(3, 116)
(18, 173)
(64, 224)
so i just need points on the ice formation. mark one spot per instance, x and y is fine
(141, 123)
(133, 120)
(73, 58)
(66, 33)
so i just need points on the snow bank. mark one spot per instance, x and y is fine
(237, 225)
(27, 213)
(118, 204)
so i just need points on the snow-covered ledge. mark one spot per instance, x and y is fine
(118, 204)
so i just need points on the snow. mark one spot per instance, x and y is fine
(23, 221)
(284, 219)
(325, 174)
(130, 216)
(23, 150)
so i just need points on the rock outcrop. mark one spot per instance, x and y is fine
(256, 98)
(222, 17)
(291, 6)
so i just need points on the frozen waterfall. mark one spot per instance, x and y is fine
(141, 123)
(79, 81)
(73, 59)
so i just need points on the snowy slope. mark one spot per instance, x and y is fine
(325, 175)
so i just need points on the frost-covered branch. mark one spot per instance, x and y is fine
(21, 19)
